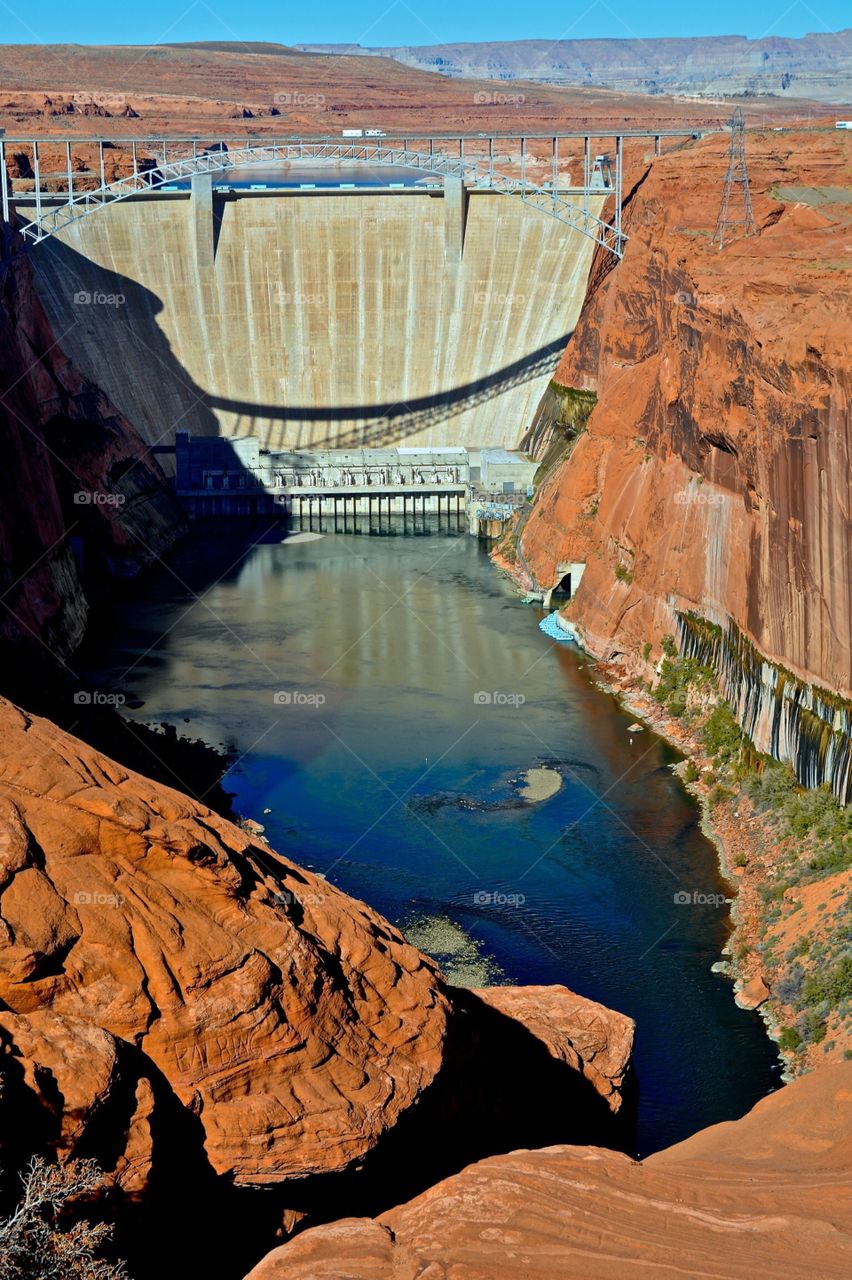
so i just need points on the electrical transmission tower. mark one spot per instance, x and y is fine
(726, 224)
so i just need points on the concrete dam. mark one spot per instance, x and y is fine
(359, 319)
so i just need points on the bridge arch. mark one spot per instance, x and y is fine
(217, 159)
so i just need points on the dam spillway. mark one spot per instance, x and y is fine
(323, 320)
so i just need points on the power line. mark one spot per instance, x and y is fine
(726, 224)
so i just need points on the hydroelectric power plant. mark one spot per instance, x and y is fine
(424, 811)
(352, 310)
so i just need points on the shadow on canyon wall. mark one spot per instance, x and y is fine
(389, 422)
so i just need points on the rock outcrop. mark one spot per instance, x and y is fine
(190, 1008)
(765, 1195)
(713, 471)
(293, 1022)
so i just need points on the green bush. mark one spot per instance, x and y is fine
(646, 650)
(690, 773)
(789, 1040)
(806, 815)
(668, 646)
(721, 734)
(676, 680)
(829, 985)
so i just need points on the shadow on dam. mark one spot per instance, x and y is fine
(74, 278)
(322, 323)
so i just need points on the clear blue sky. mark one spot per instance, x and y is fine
(384, 22)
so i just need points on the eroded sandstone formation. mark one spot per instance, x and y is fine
(713, 472)
(190, 1008)
(765, 1195)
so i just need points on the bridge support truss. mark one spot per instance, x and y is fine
(54, 198)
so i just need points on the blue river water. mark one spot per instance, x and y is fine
(385, 694)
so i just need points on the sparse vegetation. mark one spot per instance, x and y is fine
(809, 838)
(789, 1040)
(44, 1238)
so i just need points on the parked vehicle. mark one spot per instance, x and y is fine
(363, 133)
(843, 124)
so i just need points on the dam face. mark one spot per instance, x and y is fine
(322, 320)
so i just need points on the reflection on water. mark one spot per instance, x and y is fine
(387, 697)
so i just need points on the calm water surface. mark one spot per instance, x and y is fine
(345, 671)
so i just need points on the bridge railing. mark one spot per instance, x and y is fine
(474, 174)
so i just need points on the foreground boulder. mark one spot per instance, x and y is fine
(205, 1018)
(770, 1194)
(293, 1022)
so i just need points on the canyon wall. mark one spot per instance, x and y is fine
(815, 66)
(82, 500)
(709, 470)
(331, 320)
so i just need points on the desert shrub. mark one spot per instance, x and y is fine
(44, 1238)
(788, 987)
(676, 680)
(789, 1040)
(721, 734)
(773, 785)
(831, 985)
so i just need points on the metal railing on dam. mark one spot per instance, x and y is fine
(327, 318)
(156, 163)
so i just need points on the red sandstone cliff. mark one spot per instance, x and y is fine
(81, 499)
(714, 470)
(196, 1011)
(765, 1195)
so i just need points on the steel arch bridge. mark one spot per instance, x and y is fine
(472, 174)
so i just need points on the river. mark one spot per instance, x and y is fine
(384, 693)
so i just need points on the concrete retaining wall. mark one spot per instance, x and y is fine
(324, 321)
